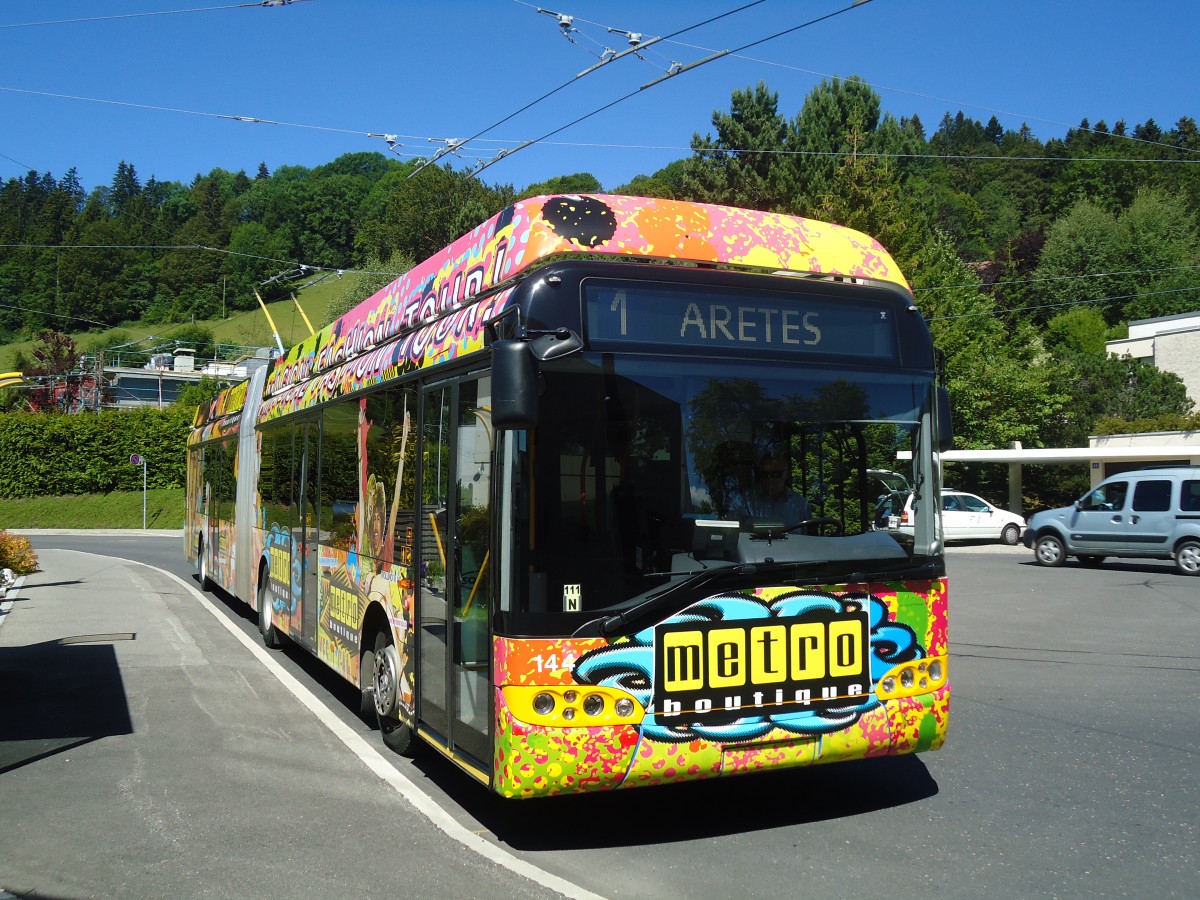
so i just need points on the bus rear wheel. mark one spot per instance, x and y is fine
(270, 634)
(385, 684)
(206, 584)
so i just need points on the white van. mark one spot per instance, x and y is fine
(1149, 513)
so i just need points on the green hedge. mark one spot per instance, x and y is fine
(50, 454)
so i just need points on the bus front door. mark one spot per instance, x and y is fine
(454, 680)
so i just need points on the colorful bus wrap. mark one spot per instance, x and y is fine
(588, 500)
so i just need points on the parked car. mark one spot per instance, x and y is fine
(1148, 514)
(964, 517)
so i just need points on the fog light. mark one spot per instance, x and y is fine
(906, 678)
(624, 707)
(935, 670)
(570, 696)
(543, 704)
(593, 704)
(568, 713)
(888, 684)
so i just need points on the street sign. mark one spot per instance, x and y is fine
(135, 460)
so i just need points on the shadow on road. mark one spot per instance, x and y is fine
(59, 695)
(690, 811)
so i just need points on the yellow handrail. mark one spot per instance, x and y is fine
(478, 578)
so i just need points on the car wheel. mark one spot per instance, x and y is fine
(1187, 557)
(1050, 551)
(1011, 534)
(1091, 561)
(270, 634)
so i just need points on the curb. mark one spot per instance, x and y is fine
(101, 532)
(6, 604)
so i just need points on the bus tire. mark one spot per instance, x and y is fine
(385, 679)
(206, 584)
(366, 686)
(270, 634)
(1050, 551)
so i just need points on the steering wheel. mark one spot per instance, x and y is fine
(840, 529)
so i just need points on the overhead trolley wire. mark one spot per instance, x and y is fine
(603, 61)
(162, 12)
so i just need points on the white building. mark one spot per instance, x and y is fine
(1171, 343)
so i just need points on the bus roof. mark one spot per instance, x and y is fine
(541, 228)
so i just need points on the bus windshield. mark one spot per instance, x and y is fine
(650, 469)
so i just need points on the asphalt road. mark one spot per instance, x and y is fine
(175, 763)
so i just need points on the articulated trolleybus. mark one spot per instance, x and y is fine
(586, 501)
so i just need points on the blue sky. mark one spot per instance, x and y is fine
(157, 75)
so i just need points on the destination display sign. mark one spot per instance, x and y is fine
(665, 317)
(724, 670)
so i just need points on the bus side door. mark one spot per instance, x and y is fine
(453, 605)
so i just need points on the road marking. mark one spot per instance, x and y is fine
(377, 763)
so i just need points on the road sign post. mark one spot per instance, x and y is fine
(138, 460)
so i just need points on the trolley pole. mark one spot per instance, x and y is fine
(138, 460)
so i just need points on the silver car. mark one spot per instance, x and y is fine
(1149, 513)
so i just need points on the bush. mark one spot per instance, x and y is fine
(17, 554)
(50, 454)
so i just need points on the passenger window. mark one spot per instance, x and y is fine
(1152, 496)
(950, 504)
(1107, 498)
(1189, 497)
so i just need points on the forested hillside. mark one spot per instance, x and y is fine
(1024, 255)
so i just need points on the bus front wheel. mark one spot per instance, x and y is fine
(385, 683)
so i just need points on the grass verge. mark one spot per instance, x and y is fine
(164, 509)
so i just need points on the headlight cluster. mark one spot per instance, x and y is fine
(912, 678)
(566, 705)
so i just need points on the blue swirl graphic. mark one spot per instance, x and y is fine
(629, 665)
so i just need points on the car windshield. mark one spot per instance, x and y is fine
(646, 470)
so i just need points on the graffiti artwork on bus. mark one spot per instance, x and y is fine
(735, 667)
(539, 228)
(283, 581)
(694, 735)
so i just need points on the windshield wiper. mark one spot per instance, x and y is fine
(609, 625)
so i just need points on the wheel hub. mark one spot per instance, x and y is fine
(386, 680)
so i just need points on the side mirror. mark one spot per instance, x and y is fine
(514, 386)
(945, 436)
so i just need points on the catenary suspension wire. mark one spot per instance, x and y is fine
(856, 4)
(164, 12)
(571, 81)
